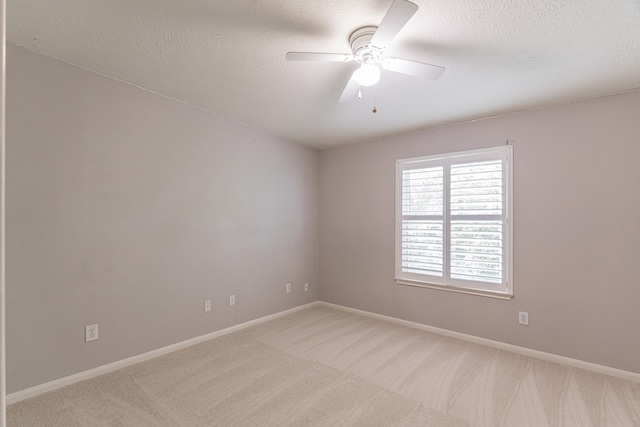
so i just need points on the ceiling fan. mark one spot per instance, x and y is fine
(367, 48)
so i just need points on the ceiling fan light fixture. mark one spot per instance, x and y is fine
(368, 74)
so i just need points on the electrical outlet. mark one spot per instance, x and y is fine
(523, 318)
(90, 333)
(207, 306)
(288, 288)
(232, 300)
(306, 287)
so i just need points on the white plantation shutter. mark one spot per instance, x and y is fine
(477, 219)
(423, 221)
(453, 221)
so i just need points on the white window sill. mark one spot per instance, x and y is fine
(489, 294)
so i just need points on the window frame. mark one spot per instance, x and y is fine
(503, 290)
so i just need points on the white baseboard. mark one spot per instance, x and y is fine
(576, 363)
(101, 370)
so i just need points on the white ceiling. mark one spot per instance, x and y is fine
(228, 57)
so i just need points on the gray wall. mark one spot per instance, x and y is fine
(576, 231)
(129, 210)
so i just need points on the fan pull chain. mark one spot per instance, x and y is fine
(374, 100)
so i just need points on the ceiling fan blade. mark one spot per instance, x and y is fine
(318, 56)
(413, 68)
(350, 90)
(397, 16)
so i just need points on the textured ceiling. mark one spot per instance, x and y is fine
(228, 57)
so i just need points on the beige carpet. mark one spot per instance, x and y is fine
(322, 367)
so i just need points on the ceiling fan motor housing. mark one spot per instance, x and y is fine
(362, 49)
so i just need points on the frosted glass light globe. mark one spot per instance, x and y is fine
(368, 75)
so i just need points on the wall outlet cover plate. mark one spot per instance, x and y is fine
(91, 333)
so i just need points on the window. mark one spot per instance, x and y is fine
(454, 224)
